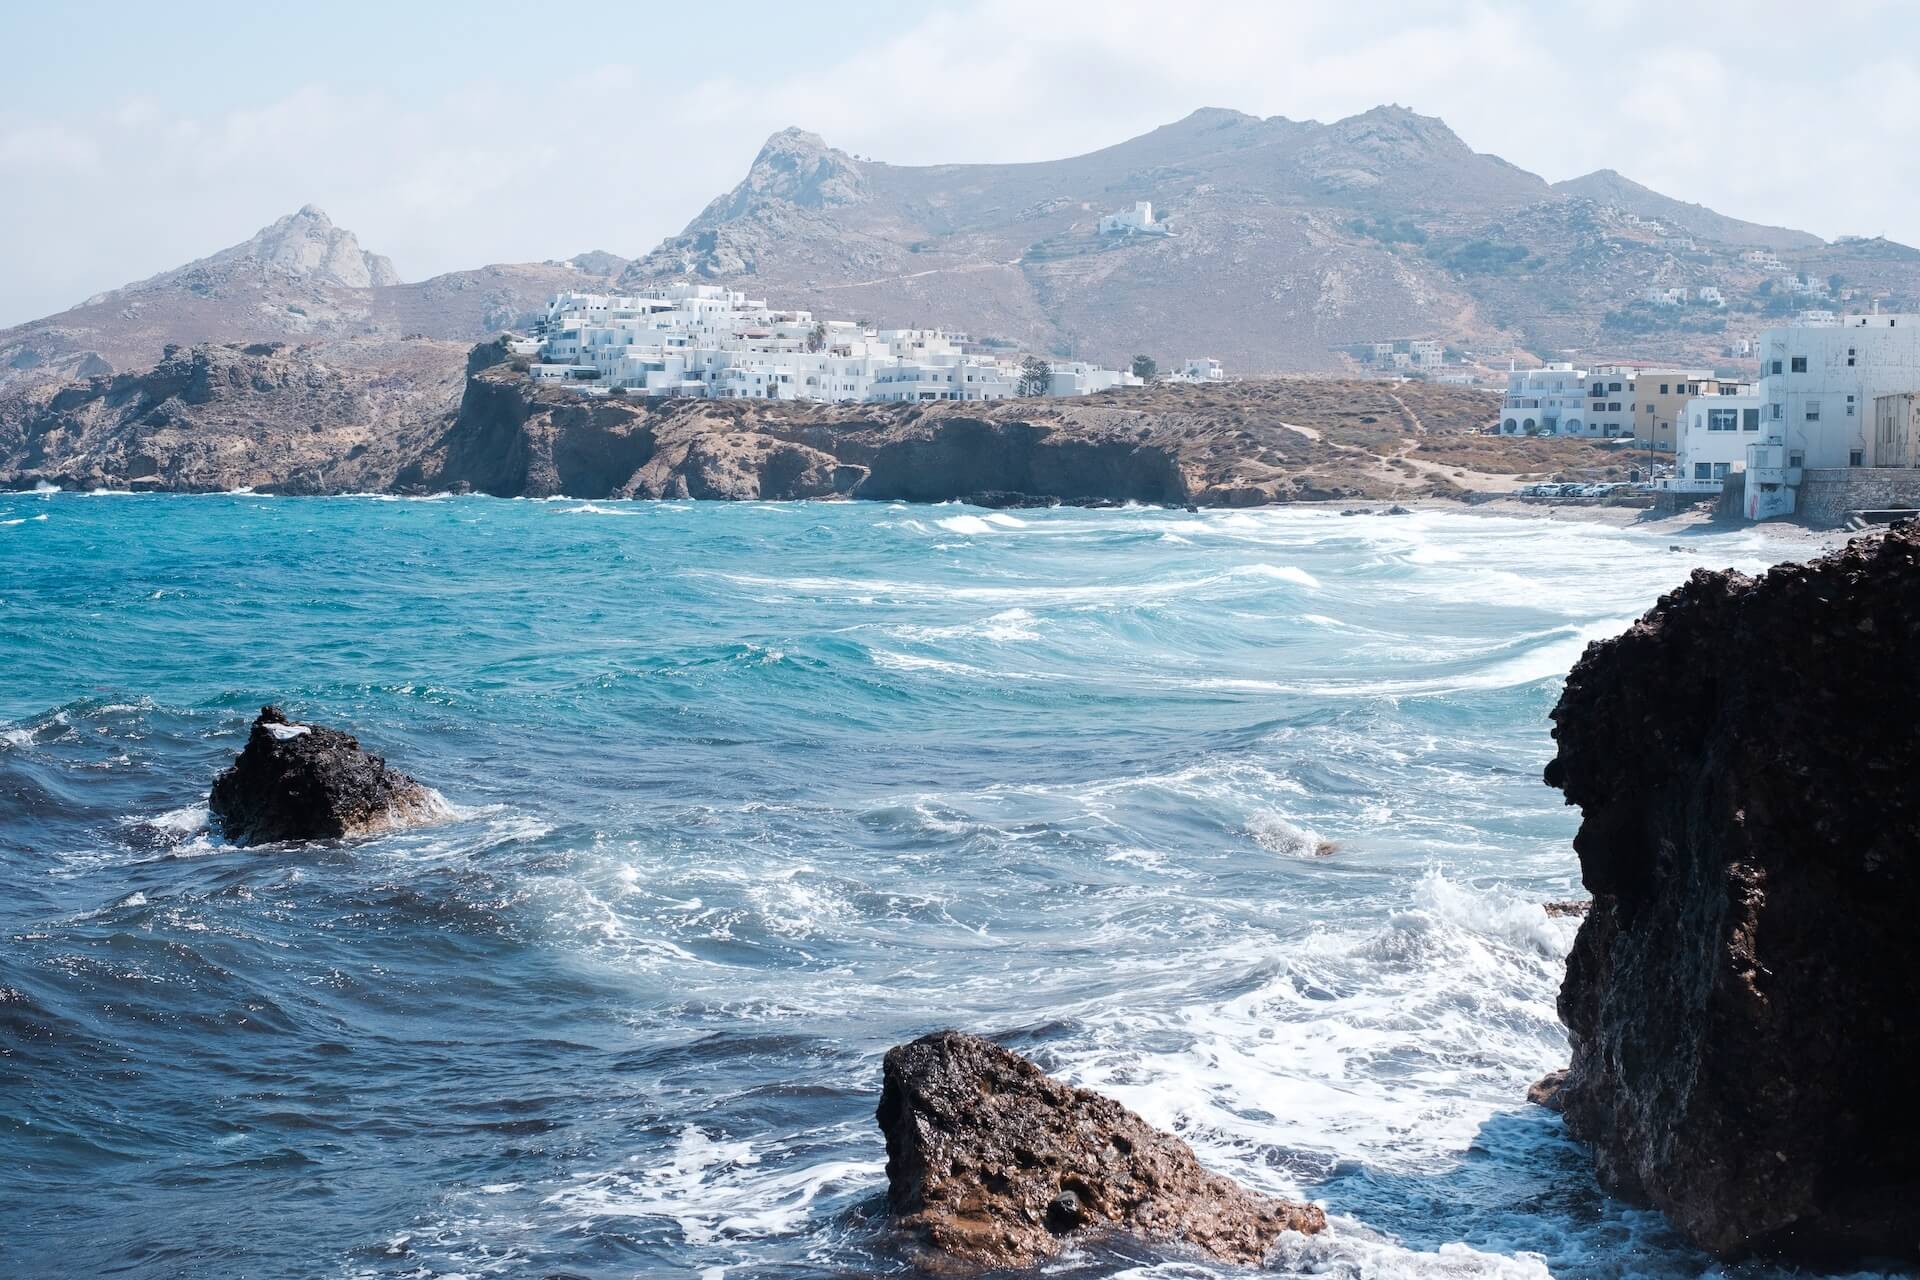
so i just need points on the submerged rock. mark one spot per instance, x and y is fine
(992, 1161)
(1741, 997)
(308, 782)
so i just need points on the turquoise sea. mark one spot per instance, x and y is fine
(1236, 816)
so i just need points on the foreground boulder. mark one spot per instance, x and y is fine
(1742, 996)
(991, 1161)
(308, 782)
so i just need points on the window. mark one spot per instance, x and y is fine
(1796, 459)
(1775, 367)
(1813, 411)
(1720, 470)
(1855, 458)
(1613, 407)
(1849, 406)
(1749, 419)
(1723, 419)
(1703, 471)
(1613, 386)
(1776, 407)
(1663, 388)
(1799, 364)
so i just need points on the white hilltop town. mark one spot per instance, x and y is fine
(712, 342)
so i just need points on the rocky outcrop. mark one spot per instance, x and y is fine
(991, 1161)
(320, 418)
(308, 782)
(418, 416)
(1741, 996)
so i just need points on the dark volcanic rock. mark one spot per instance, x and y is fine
(308, 782)
(992, 1161)
(1545, 1092)
(1741, 998)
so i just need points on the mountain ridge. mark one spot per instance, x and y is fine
(1279, 245)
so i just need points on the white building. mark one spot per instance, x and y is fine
(1427, 353)
(1548, 401)
(1201, 369)
(1710, 296)
(1137, 221)
(1714, 436)
(1818, 394)
(708, 341)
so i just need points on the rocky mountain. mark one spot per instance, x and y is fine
(300, 279)
(1276, 244)
(1608, 188)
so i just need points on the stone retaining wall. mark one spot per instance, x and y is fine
(1825, 496)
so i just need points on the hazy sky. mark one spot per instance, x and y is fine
(134, 137)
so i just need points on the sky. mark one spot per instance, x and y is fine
(136, 137)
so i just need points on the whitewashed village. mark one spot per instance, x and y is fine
(1832, 417)
(713, 342)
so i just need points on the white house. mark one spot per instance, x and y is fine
(1714, 435)
(1201, 369)
(1547, 401)
(1137, 221)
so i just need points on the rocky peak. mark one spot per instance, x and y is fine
(799, 168)
(1394, 134)
(308, 245)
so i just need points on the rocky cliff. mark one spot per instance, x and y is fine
(1741, 996)
(320, 418)
(1242, 445)
(414, 416)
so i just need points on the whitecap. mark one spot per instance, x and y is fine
(965, 524)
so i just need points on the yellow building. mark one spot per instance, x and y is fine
(1659, 399)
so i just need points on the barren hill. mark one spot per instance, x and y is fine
(300, 279)
(1277, 243)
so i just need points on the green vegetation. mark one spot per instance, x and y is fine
(1484, 258)
(1145, 368)
(1035, 377)
(1388, 230)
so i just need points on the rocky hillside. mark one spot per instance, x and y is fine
(300, 279)
(1285, 241)
(358, 415)
(329, 417)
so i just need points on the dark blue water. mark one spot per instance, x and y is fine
(745, 795)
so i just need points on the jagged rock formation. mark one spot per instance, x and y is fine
(308, 782)
(323, 418)
(991, 1161)
(1741, 996)
(300, 279)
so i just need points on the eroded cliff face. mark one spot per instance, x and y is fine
(323, 418)
(1741, 998)
(418, 416)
